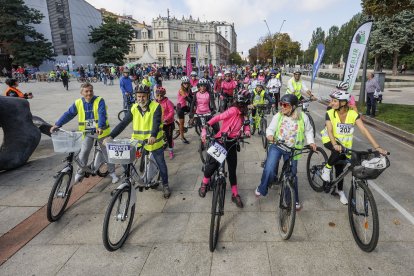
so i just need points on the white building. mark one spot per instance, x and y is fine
(167, 41)
(229, 33)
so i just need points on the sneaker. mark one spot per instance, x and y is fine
(326, 174)
(298, 206)
(342, 197)
(79, 177)
(237, 200)
(166, 191)
(114, 178)
(185, 141)
(202, 191)
(257, 193)
(171, 155)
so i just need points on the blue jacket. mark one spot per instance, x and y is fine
(126, 85)
(72, 112)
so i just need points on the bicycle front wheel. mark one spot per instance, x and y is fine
(314, 165)
(59, 196)
(215, 216)
(121, 115)
(202, 150)
(177, 130)
(312, 124)
(287, 209)
(263, 126)
(118, 219)
(363, 216)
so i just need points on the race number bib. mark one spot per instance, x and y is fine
(344, 129)
(119, 151)
(90, 124)
(194, 89)
(218, 152)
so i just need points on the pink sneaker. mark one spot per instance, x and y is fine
(171, 155)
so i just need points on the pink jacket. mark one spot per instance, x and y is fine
(232, 122)
(228, 87)
(181, 99)
(261, 78)
(167, 111)
(193, 83)
(203, 103)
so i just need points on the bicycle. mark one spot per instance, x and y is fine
(218, 184)
(70, 142)
(305, 104)
(361, 201)
(259, 122)
(224, 103)
(120, 212)
(131, 100)
(274, 93)
(200, 122)
(287, 197)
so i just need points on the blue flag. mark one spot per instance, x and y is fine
(319, 52)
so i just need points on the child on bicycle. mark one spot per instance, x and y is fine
(13, 91)
(232, 124)
(92, 116)
(291, 126)
(339, 126)
(258, 96)
(167, 118)
(184, 96)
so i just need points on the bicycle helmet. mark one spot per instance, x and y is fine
(273, 72)
(219, 75)
(142, 89)
(340, 95)
(342, 86)
(160, 91)
(254, 74)
(297, 72)
(290, 99)
(193, 74)
(202, 81)
(260, 83)
(185, 79)
(227, 72)
(242, 97)
(126, 70)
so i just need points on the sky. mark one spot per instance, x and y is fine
(302, 16)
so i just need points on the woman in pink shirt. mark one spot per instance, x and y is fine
(232, 124)
(167, 117)
(184, 95)
(227, 88)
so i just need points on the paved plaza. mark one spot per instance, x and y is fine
(170, 237)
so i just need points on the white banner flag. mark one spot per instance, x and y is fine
(356, 52)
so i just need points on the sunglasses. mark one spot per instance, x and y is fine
(284, 105)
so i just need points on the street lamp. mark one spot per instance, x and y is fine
(273, 44)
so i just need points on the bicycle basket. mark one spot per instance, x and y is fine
(64, 141)
(121, 151)
(371, 167)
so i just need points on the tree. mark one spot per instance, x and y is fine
(235, 58)
(387, 8)
(114, 38)
(318, 36)
(19, 38)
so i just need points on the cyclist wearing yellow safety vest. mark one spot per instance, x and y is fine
(257, 96)
(340, 122)
(92, 116)
(146, 116)
(296, 86)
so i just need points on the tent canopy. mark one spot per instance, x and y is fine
(145, 59)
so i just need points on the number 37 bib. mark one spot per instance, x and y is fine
(344, 129)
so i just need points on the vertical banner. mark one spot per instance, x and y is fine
(356, 52)
(69, 61)
(197, 61)
(188, 65)
(211, 70)
(317, 60)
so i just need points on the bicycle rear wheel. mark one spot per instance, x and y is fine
(59, 196)
(202, 150)
(312, 124)
(177, 130)
(118, 219)
(363, 216)
(314, 165)
(197, 126)
(216, 213)
(121, 115)
(263, 126)
(287, 209)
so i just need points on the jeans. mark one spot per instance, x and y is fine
(270, 170)
(85, 151)
(160, 160)
(371, 104)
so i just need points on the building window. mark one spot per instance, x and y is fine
(176, 47)
(206, 61)
(191, 36)
(175, 34)
(61, 23)
(159, 34)
(144, 35)
(179, 61)
(59, 7)
(159, 23)
(207, 49)
(145, 47)
(192, 48)
(207, 37)
(132, 48)
(161, 47)
(65, 51)
(63, 38)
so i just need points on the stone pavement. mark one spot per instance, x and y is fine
(170, 237)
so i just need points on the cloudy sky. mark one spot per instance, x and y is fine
(302, 16)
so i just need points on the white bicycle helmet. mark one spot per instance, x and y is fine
(342, 86)
(340, 95)
(185, 79)
(202, 81)
(227, 72)
(219, 75)
(193, 73)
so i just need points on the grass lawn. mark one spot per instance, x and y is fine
(398, 115)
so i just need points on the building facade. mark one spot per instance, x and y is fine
(66, 24)
(229, 33)
(167, 41)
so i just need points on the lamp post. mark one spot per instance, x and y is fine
(273, 44)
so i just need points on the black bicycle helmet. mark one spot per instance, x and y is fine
(242, 97)
(142, 89)
(290, 99)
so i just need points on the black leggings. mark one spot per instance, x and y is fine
(333, 159)
(231, 160)
(181, 111)
(168, 130)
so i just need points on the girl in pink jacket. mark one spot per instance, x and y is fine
(232, 124)
(167, 117)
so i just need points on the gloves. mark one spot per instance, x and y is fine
(203, 135)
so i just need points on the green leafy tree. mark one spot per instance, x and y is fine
(235, 58)
(387, 8)
(19, 38)
(318, 36)
(115, 40)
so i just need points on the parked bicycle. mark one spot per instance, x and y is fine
(141, 173)
(131, 101)
(362, 209)
(70, 142)
(87, 79)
